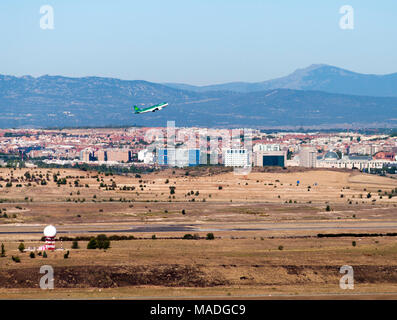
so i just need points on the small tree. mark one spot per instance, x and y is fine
(16, 259)
(44, 254)
(66, 255)
(101, 239)
(354, 243)
(154, 237)
(92, 244)
(3, 251)
(21, 247)
(210, 236)
(32, 255)
(106, 244)
(328, 208)
(75, 244)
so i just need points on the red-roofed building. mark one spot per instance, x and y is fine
(382, 155)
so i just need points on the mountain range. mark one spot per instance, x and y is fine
(319, 95)
(317, 77)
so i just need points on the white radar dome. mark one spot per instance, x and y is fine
(50, 231)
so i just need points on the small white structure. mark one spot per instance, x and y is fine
(49, 233)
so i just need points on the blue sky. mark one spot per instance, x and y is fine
(195, 41)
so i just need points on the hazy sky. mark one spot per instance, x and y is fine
(195, 41)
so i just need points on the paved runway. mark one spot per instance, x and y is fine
(319, 226)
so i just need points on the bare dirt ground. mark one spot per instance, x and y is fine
(265, 224)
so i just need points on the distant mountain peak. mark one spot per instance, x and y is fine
(313, 67)
(317, 77)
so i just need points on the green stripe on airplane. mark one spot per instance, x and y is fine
(154, 108)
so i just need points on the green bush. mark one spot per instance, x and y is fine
(106, 244)
(21, 247)
(44, 254)
(16, 259)
(102, 241)
(280, 248)
(92, 244)
(210, 236)
(75, 244)
(32, 255)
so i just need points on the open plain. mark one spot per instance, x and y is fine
(266, 227)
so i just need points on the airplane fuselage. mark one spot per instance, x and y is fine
(154, 108)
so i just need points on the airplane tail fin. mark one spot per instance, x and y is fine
(136, 109)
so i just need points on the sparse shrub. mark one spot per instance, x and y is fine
(106, 244)
(92, 244)
(21, 247)
(280, 248)
(75, 244)
(210, 236)
(102, 241)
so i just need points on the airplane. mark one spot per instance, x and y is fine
(150, 109)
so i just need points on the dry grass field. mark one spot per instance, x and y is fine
(265, 226)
